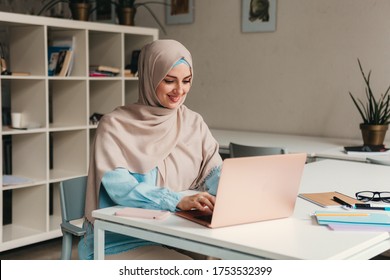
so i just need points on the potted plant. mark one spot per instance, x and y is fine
(80, 9)
(375, 113)
(127, 9)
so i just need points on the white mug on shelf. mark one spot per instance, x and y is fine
(16, 120)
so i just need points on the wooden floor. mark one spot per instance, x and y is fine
(47, 250)
(51, 250)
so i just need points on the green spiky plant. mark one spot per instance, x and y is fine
(373, 111)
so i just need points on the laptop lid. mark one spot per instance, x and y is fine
(253, 189)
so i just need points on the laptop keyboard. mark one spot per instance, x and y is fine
(206, 218)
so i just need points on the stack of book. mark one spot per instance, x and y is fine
(60, 57)
(354, 220)
(103, 71)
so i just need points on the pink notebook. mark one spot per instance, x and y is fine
(143, 213)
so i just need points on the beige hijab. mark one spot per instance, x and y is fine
(145, 135)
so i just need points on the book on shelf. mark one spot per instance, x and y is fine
(64, 41)
(133, 66)
(7, 169)
(51, 151)
(56, 56)
(60, 61)
(20, 74)
(127, 73)
(104, 68)
(325, 199)
(7, 154)
(52, 59)
(63, 63)
(103, 71)
(100, 74)
(7, 207)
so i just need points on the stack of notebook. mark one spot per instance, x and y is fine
(354, 220)
(347, 213)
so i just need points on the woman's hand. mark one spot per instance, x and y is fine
(201, 201)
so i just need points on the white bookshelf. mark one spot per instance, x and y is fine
(59, 148)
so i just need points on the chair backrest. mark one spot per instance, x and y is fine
(238, 150)
(72, 195)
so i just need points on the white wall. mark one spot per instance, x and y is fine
(294, 80)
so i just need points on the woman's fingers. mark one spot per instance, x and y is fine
(200, 201)
(205, 200)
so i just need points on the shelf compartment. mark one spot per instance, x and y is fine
(105, 96)
(28, 97)
(25, 48)
(25, 155)
(54, 206)
(67, 103)
(79, 68)
(68, 154)
(131, 91)
(134, 42)
(105, 48)
(29, 209)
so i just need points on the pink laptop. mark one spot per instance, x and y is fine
(253, 189)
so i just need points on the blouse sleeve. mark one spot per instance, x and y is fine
(212, 180)
(139, 190)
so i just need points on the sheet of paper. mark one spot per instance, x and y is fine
(15, 180)
(359, 227)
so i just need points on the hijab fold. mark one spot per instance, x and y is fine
(145, 135)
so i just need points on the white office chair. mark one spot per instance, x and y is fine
(72, 197)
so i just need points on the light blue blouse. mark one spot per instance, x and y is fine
(121, 187)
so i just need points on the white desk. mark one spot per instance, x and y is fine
(293, 143)
(315, 147)
(338, 153)
(298, 237)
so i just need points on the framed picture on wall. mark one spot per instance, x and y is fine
(258, 15)
(179, 11)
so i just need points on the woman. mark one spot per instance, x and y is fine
(145, 154)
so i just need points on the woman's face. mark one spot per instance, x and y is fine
(173, 88)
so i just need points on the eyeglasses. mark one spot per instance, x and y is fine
(373, 196)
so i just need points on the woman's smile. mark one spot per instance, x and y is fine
(173, 88)
(174, 98)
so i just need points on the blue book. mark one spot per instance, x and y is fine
(352, 217)
(53, 57)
